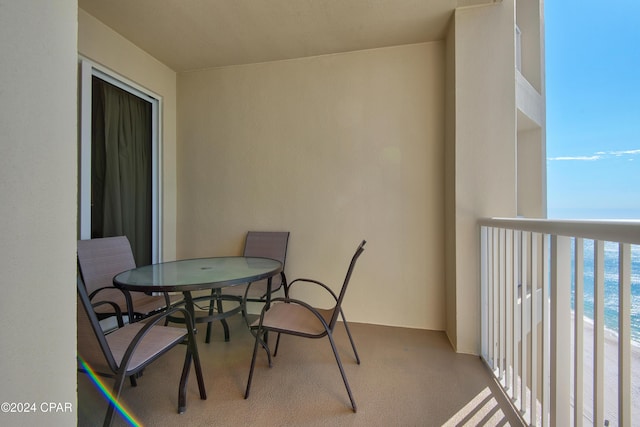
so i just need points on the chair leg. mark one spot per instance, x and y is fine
(344, 376)
(346, 326)
(267, 351)
(253, 364)
(117, 388)
(134, 378)
(275, 352)
(182, 389)
(254, 332)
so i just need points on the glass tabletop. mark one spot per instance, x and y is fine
(197, 274)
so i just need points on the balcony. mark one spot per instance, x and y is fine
(408, 377)
(557, 365)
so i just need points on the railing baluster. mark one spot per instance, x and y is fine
(494, 299)
(578, 356)
(534, 328)
(501, 302)
(560, 330)
(545, 330)
(490, 337)
(524, 307)
(598, 332)
(517, 317)
(484, 290)
(624, 336)
(508, 245)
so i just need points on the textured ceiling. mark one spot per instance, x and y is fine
(195, 34)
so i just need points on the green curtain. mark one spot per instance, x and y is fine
(121, 168)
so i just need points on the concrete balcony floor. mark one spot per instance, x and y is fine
(407, 377)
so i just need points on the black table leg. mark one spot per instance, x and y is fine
(188, 304)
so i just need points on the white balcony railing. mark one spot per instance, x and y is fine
(577, 364)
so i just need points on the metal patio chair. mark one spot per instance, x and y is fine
(99, 260)
(262, 244)
(295, 317)
(129, 349)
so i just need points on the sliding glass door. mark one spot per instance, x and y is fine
(119, 192)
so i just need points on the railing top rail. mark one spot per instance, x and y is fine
(624, 231)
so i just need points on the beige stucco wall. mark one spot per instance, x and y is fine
(105, 47)
(38, 208)
(334, 149)
(450, 183)
(485, 151)
(531, 177)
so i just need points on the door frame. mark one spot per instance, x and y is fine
(88, 69)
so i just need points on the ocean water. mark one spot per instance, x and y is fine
(611, 294)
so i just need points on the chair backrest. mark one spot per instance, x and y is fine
(268, 244)
(101, 259)
(336, 310)
(92, 345)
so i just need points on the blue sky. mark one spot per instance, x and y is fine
(593, 108)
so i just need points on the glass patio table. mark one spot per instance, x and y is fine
(199, 274)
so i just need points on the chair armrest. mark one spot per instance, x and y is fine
(315, 282)
(116, 310)
(127, 298)
(93, 294)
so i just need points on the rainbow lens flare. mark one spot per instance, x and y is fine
(107, 394)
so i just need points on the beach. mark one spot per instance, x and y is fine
(610, 376)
